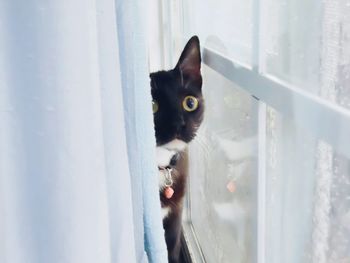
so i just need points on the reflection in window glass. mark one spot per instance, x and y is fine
(223, 173)
(308, 197)
(305, 44)
(224, 26)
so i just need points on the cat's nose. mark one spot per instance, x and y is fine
(180, 125)
(182, 122)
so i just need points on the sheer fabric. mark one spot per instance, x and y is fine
(77, 175)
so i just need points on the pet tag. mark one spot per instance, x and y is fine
(168, 192)
(231, 186)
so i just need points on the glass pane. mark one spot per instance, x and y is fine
(308, 197)
(289, 189)
(307, 44)
(291, 42)
(223, 173)
(224, 26)
(339, 224)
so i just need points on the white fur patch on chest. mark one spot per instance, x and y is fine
(165, 211)
(176, 144)
(164, 156)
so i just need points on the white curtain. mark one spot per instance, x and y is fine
(77, 175)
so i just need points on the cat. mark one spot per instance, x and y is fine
(178, 108)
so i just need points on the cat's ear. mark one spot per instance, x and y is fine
(189, 63)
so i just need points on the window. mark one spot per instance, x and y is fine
(222, 194)
(270, 168)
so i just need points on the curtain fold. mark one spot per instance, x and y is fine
(115, 148)
(72, 185)
(131, 17)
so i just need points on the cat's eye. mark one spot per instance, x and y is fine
(155, 106)
(190, 103)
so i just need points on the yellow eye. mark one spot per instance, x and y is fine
(155, 106)
(190, 103)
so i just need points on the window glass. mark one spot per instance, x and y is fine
(223, 173)
(307, 196)
(224, 26)
(307, 44)
(291, 33)
(339, 221)
(290, 162)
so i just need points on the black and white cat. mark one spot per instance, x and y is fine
(178, 108)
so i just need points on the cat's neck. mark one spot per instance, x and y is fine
(166, 152)
(167, 157)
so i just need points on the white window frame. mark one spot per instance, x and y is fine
(323, 119)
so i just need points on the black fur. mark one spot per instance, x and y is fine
(169, 88)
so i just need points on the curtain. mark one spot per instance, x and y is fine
(77, 173)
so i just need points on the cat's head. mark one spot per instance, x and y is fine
(178, 104)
